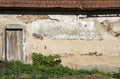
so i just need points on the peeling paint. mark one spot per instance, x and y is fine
(70, 28)
(66, 34)
(31, 18)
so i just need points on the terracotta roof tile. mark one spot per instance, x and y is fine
(80, 4)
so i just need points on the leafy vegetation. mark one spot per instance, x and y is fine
(117, 75)
(43, 67)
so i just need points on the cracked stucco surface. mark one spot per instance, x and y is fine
(67, 34)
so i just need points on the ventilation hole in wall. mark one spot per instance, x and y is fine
(85, 25)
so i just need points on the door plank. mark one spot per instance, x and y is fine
(14, 44)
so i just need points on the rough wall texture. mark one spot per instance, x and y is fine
(67, 34)
(71, 27)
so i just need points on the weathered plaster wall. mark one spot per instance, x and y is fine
(6, 20)
(67, 34)
(71, 27)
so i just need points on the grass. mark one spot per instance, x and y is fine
(47, 66)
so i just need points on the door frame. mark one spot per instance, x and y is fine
(13, 26)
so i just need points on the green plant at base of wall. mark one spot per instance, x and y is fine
(43, 67)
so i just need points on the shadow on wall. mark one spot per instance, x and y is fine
(71, 30)
(36, 11)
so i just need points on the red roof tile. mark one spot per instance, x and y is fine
(80, 4)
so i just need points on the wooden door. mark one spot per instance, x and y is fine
(13, 44)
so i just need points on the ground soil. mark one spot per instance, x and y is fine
(4, 65)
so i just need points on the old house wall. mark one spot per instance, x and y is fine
(66, 34)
